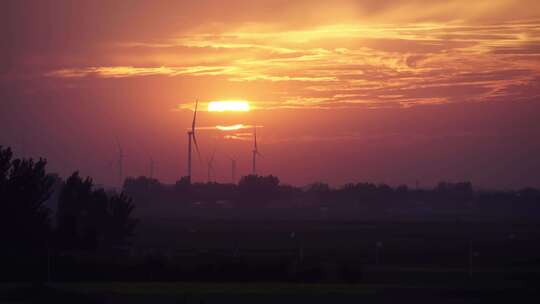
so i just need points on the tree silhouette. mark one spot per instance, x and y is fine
(91, 219)
(24, 189)
(120, 226)
(255, 190)
(142, 189)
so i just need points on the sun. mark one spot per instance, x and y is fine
(230, 128)
(228, 105)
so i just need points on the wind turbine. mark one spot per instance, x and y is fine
(120, 163)
(191, 137)
(255, 151)
(233, 170)
(151, 167)
(210, 164)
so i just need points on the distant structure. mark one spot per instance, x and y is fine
(233, 170)
(151, 168)
(255, 151)
(210, 164)
(120, 163)
(191, 137)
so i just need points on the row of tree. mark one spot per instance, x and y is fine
(88, 219)
(256, 192)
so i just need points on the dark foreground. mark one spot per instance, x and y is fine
(467, 292)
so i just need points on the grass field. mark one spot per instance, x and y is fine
(172, 292)
(420, 262)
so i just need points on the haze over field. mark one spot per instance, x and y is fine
(344, 91)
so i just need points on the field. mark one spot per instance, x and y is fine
(197, 261)
(117, 292)
(425, 245)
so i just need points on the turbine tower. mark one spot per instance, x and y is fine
(191, 137)
(120, 163)
(233, 170)
(255, 151)
(151, 167)
(210, 164)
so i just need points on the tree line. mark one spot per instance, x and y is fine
(352, 200)
(91, 221)
(88, 219)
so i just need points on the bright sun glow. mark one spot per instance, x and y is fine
(229, 105)
(230, 128)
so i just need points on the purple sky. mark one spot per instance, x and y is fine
(347, 91)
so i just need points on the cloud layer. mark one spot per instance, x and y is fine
(344, 64)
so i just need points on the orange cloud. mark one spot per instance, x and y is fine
(324, 64)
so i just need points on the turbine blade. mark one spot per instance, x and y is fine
(194, 116)
(197, 148)
(193, 132)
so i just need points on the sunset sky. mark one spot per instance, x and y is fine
(343, 91)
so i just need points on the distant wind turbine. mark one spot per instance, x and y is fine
(120, 163)
(210, 164)
(151, 167)
(233, 170)
(191, 137)
(255, 151)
